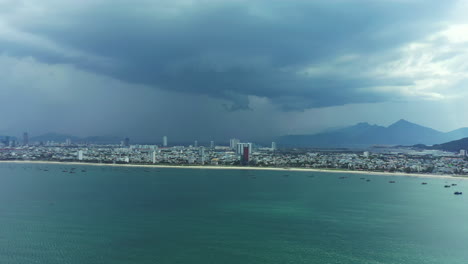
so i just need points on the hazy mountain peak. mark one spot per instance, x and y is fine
(401, 132)
(402, 122)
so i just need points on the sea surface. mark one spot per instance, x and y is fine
(137, 215)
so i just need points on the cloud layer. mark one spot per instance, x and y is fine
(290, 55)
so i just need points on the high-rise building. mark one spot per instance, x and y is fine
(80, 155)
(201, 153)
(127, 142)
(240, 148)
(273, 146)
(244, 150)
(165, 141)
(154, 157)
(212, 145)
(25, 139)
(195, 144)
(462, 152)
(233, 143)
(245, 155)
(68, 142)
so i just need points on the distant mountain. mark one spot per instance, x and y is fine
(457, 134)
(363, 134)
(404, 132)
(63, 137)
(453, 146)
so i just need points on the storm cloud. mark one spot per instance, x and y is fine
(292, 56)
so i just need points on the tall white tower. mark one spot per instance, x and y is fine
(80, 155)
(165, 141)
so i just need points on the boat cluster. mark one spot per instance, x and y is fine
(453, 184)
(72, 170)
(423, 183)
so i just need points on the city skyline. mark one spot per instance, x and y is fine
(404, 126)
(247, 69)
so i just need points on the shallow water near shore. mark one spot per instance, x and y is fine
(143, 215)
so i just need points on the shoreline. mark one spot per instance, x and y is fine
(399, 174)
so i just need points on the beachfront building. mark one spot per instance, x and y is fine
(201, 155)
(244, 150)
(241, 146)
(80, 155)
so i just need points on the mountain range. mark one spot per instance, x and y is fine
(401, 132)
(452, 146)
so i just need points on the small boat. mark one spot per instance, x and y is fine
(447, 186)
(367, 180)
(391, 182)
(458, 193)
(424, 183)
(454, 184)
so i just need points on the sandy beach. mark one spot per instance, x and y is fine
(239, 168)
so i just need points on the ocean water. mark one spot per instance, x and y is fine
(138, 215)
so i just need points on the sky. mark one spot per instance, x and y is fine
(218, 69)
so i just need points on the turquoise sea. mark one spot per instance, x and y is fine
(137, 215)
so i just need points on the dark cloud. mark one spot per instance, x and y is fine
(234, 49)
(209, 69)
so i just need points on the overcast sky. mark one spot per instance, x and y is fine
(214, 69)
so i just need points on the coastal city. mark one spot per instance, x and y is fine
(237, 153)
